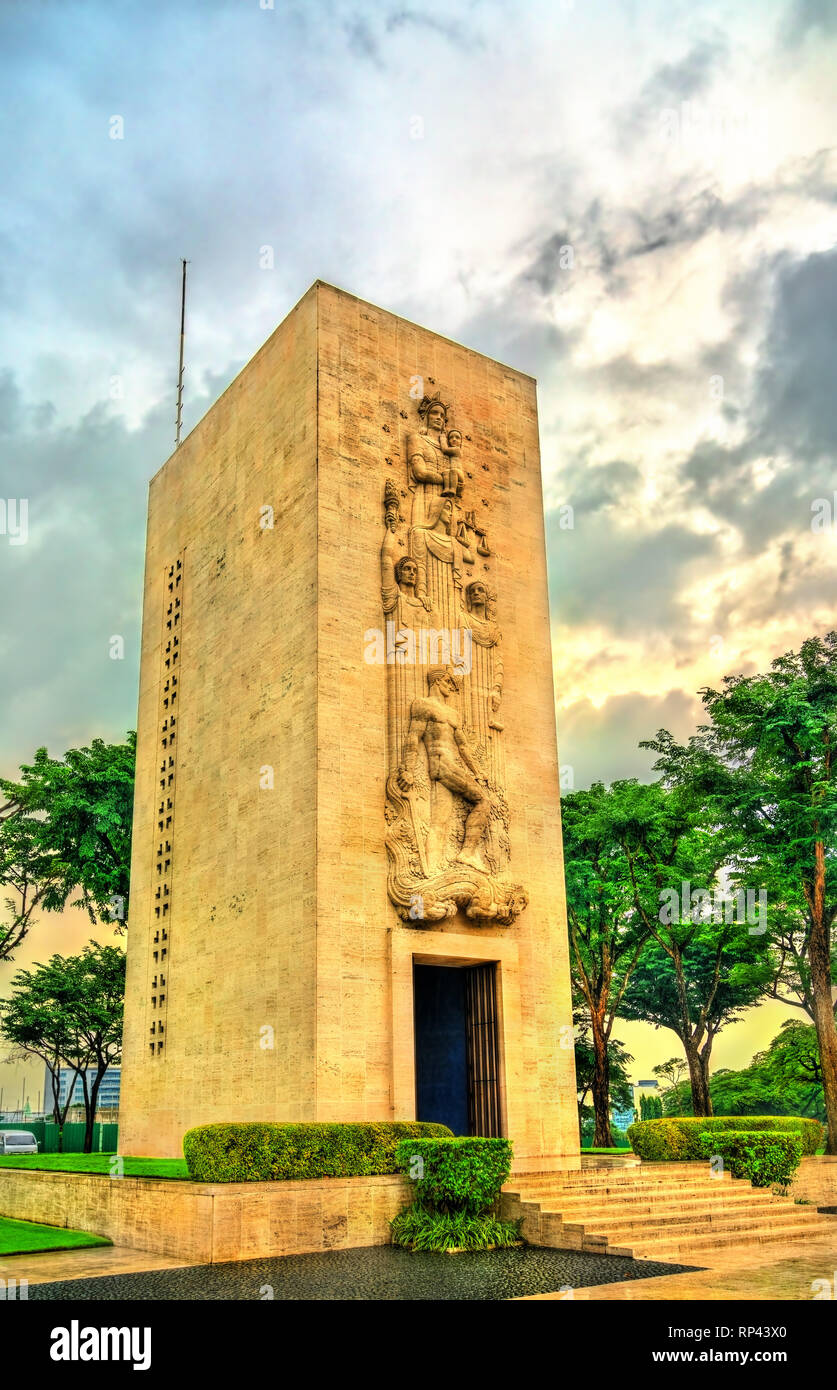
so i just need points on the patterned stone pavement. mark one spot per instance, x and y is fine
(377, 1273)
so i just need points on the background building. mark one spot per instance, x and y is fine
(108, 1091)
(647, 1089)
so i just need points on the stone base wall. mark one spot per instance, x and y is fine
(208, 1223)
(816, 1181)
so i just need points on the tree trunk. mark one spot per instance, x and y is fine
(704, 1054)
(701, 1104)
(62, 1119)
(89, 1113)
(90, 1108)
(55, 1083)
(819, 958)
(690, 1038)
(602, 1137)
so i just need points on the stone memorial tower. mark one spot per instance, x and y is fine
(347, 887)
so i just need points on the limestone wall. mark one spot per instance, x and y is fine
(239, 1011)
(210, 1222)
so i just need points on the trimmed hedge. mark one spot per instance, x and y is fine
(676, 1139)
(281, 1153)
(458, 1174)
(767, 1157)
(458, 1184)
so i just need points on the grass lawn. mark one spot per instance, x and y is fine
(99, 1163)
(20, 1237)
(607, 1151)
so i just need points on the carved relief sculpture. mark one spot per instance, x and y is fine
(447, 815)
(451, 769)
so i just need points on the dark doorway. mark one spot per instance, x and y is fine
(457, 1062)
(441, 1047)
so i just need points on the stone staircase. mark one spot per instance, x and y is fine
(654, 1211)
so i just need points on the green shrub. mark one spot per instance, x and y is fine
(422, 1228)
(456, 1174)
(458, 1184)
(278, 1153)
(677, 1139)
(767, 1157)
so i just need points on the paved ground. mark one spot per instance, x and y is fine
(794, 1272)
(759, 1273)
(47, 1266)
(379, 1273)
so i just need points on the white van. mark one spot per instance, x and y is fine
(17, 1141)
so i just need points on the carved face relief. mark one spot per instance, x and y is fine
(454, 438)
(446, 514)
(477, 596)
(446, 685)
(436, 417)
(407, 573)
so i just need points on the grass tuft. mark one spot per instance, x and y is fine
(419, 1228)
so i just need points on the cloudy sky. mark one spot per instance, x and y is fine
(633, 200)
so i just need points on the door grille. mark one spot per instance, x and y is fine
(483, 1051)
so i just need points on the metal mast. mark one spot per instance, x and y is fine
(179, 420)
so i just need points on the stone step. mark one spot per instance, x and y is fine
(690, 1249)
(742, 1213)
(652, 1197)
(616, 1181)
(664, 1192)
(641, 1180)
(697, 1180)
(676, 1172)
(627, 1174)
(695, 1223)
(621, 1216)
(656, 1213)
(645, 1201)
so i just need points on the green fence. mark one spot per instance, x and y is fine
(105, 1136)
(36, 1127)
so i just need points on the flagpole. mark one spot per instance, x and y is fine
(179, 420)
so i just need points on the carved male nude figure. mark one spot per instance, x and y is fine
(451, 767)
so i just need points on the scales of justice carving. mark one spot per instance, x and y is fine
(447, 815)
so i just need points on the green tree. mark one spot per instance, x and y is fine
(717, 971)
(650, 1107)
(606, 934)
(70, 1011)
(784, 1079)
(765, 771)
(31, 1021)
(671, 1073)
(671, 856)
(677, 1095)
(619, 1062)
(65, 829)
(790, 939)
(792, 1066)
